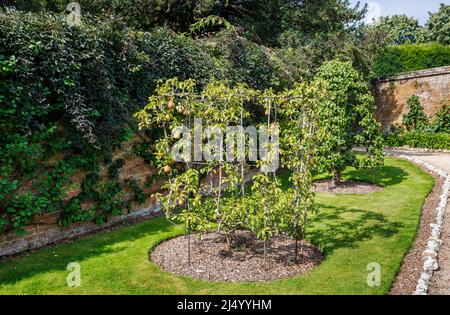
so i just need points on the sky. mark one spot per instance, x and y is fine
(416, 8)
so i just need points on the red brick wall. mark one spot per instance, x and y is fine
(45, 228)
(432, 86)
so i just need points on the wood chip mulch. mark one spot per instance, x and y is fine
(212, 260)
(346, 187)
(411, 269)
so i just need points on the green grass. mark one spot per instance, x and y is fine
(352, 230)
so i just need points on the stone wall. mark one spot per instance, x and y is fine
(45, 228)
(432, 86)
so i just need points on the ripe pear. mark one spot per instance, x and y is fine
(171, 104)
(180, 109)
(167, 169)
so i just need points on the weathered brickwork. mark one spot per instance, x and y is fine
(45, 228)
(432, 86)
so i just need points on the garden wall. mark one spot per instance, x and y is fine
(432, 86)
(45, 228)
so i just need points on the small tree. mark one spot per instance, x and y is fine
(441, 121)
(170, 107)
(415, 119)
(345, 119)
(266, 208)
(266, 212)
(298, 142)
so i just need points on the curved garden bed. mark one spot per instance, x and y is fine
(213, 260)
(351, 230)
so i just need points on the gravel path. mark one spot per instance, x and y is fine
(440, 282)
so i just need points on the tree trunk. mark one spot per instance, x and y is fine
(219, 193)
(189, 247)
(336, 180)
(296, 223)
(265, 264)
(296, 250)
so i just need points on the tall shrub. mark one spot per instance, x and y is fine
(346, 120)
(415, 119)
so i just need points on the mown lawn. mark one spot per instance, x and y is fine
(352, 230)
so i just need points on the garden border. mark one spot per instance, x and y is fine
(407, 148)
(430, 254)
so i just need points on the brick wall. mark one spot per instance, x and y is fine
(45, 228)
(432, 86)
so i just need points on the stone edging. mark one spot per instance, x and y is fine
(430, 254)
(406, 148)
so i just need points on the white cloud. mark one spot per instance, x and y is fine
(373, 12)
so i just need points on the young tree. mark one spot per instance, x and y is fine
(298, 108)
(345, 119)
(169, 108)
(441, 121)
(415, 119)
(266, 208)
(267, 211)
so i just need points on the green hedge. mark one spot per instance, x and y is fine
(71, 92)
(404, 58)
(439, 141)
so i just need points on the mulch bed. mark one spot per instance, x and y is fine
(411, 269)
(346, 187)
(212, 260)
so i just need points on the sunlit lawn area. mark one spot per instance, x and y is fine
(352, 230)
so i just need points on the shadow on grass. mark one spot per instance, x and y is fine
(384, 176)
(337, 227)
(56, 258)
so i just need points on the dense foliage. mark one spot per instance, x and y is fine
(414, 47)
(346, 120)
(420, 131)
(438, 26)
(68, 95)
(260, 20)
(404, 58)
(401, 29)
(428, 140)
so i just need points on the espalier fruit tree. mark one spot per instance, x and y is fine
(212, 194)
(298, 109)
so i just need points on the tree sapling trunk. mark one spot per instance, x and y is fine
(336, 180)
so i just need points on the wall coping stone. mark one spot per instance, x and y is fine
(415, 74)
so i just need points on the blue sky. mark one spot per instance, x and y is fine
(417, 8)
